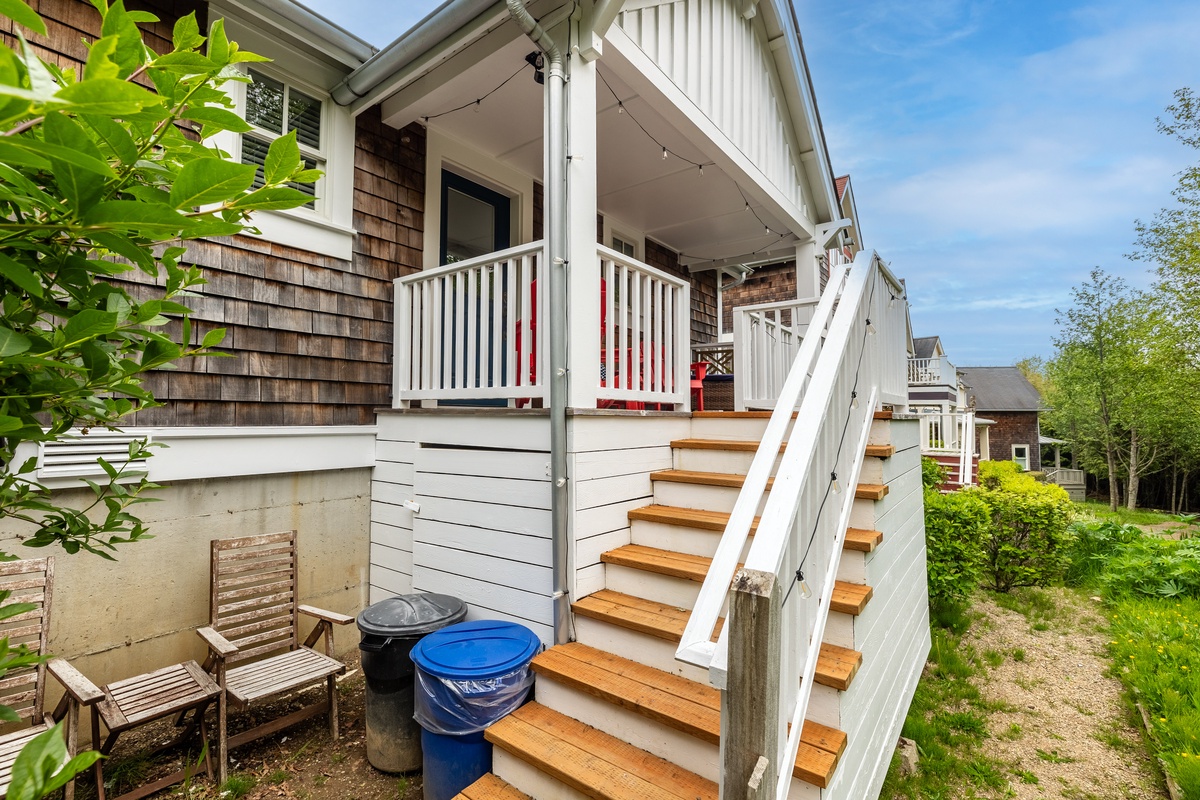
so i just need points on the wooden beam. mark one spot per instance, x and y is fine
(750, 704)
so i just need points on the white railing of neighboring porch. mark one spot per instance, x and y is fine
(766, 656)
(644, 347)
(766, 341)
(951, 433)
(468, 330)
(931, 372)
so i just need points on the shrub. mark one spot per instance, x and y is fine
(933, 474)
(1156, 567)
(1028, 541)
(955, 526)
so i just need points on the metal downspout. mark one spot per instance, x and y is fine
(556, 247)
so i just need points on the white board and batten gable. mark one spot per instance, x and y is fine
(739, 64)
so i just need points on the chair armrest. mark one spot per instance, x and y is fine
(328, 616)
(75, 682)
(218, 644)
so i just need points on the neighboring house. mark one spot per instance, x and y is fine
(951, 432)
(1005, 395)
(464, 369)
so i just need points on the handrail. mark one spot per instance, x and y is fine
(770, 661)
(478, 261)
(641, 266)
(696, 646)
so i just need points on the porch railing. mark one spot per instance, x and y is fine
(766, 341)
(931, 372)
(473, 329)
(1066, 477)
(718, 356)
(644, 347)
(951, 433)
(766, 656)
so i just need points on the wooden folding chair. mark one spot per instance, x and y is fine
(24, 690)
(255, 651)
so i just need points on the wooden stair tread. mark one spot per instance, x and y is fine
(871, 491)
(737, 445)
(489, 787)
(881, 450)
(736, 414)
(886, 414)
(684, 705)
(591, 761)
(848, 598)
(728, 480)
(862, 539)
(836, 666)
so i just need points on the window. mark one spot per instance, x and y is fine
(623, 247)
(1020, 455)
(475, 219)
(274, 108)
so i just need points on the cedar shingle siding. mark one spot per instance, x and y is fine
(771, 284)
(309, 336)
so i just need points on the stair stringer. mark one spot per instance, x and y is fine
(892, 632)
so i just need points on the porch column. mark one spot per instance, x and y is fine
(583, 274)
(808, 270)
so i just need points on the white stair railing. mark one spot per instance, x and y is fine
(766, 656)
(473, 329)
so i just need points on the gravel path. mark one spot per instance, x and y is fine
(1062, 722)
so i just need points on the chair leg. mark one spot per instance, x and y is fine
(98, 767)
(331, 682)
(222, 739)
(204, 743)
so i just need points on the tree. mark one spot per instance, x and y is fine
(102, 172)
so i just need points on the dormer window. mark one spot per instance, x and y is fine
(274, 108)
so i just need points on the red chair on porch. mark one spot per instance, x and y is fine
(699, 373)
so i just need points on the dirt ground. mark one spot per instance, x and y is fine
(1064, 725)
(301, 763)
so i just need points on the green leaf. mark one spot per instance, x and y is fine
(16, 100)
(81, 187)
(41, 82)
(8, 715)
(22, 14)
(89, 324)
(21, 275)
(11, 344)
(108, 96)
(122, 246)
(18, 156)
(150, 218)
(115, 136)
(242, 57)
(218, 43)
(186, 35)
(273, 198)
(61, 153)
(283, 157)
(210, 180)
(100, 63)
(213, 337)
(130, 51)
(218, 118)
(185, 63)
(307, 176)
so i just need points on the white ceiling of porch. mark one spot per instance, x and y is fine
(702, 216)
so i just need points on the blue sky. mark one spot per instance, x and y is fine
(999, 150)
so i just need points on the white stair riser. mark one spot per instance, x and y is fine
(660, 654)
(679, 748)
(872, 471)
(694, 495)
(679, 538)
(529, 779)
(862, 514)
(671, 591)
(733, 462)
(738, 430)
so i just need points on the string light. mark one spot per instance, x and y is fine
(701, 170)
(833, 485)
(479, 100)
(621, 110)
(870, 327)
(854, 399)
(805, 589)
(664, 154)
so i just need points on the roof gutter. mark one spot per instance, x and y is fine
(556, 257)
(321, 29)
(438, 25)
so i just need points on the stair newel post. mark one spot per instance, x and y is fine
(750, 702)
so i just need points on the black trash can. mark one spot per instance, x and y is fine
(389, 630)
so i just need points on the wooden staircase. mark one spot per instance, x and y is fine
(616, 717)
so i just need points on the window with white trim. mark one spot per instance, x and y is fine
(1020, 456)
(275, 108)
(624, 247)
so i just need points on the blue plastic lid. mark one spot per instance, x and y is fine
(476, 650)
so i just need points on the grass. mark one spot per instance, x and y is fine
(1155, 646)
(947, 720)
(1123, 516)
(238, 785)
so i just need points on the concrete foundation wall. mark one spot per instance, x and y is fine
(116, 619)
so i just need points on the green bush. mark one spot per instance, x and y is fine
(955, 526)
(1027, 542)
(933, 474)
(1155, 567)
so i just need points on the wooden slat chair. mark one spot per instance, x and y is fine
(255, 651)
(24, 690)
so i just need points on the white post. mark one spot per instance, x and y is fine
(808, 270)
(583, 272)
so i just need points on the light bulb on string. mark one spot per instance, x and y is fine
(701, 170)
(805, 589)
(664, 154)
(837, 489)
(854, 399)
(870, 326)
(620, 108)
(477, 104)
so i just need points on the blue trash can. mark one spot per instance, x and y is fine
(469, 675)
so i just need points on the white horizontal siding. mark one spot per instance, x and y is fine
(722, 62)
